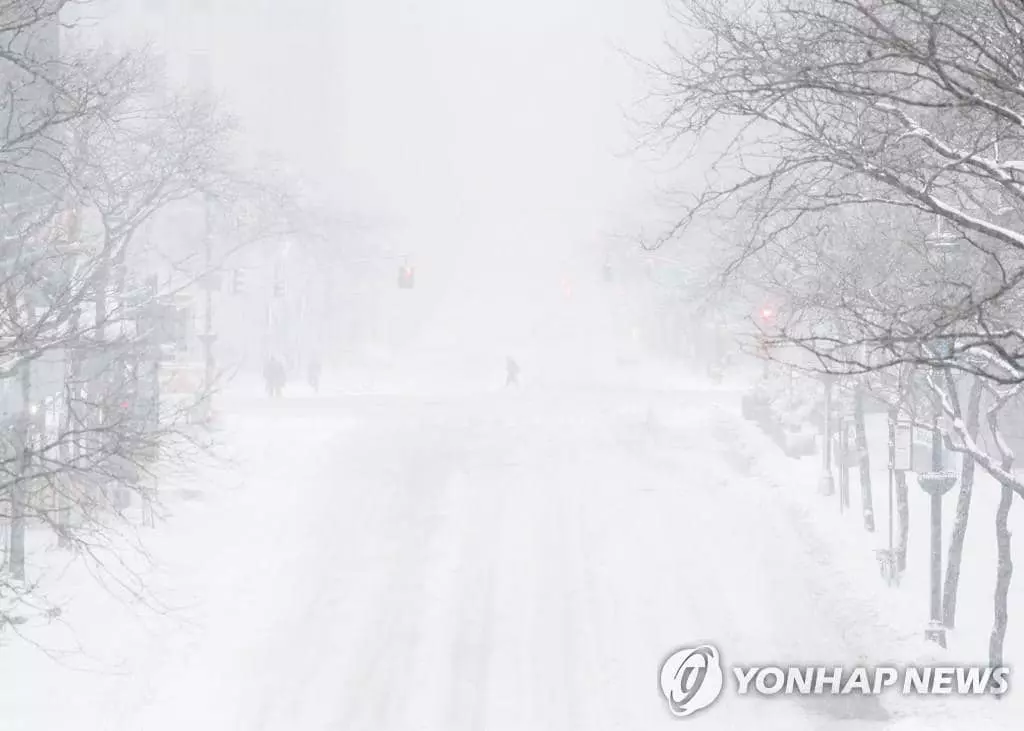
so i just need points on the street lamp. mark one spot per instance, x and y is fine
(936, 484)
(939, 481)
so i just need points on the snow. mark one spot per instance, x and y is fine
(904, 610)
(494, 559)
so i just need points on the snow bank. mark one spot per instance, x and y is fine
(893, 627)
(109, 656)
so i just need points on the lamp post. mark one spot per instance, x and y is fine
(936, 484)
(939, 481)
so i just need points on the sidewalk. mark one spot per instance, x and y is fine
(977, 580)
(905, 609)
(116, 643)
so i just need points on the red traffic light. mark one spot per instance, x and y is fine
(406, 277)
(767, 313)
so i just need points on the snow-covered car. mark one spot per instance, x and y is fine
(799, 440)
(785, 409)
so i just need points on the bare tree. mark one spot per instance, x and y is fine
(107, 149)
(842, 275)
(906, 103)
(954, 556)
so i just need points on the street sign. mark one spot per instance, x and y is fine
(903, 454)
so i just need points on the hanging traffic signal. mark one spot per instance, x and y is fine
(767, 318)
(279, 289)
(238, 282)
(406, 277)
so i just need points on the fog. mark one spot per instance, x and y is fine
(494, 136)
(491, 145)
(340, 390)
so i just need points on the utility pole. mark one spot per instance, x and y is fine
(938, 482)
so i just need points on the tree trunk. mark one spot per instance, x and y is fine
(867, 505)
(903, 511)
(18, 491)
(1004, 573)
(66, 483)
(94, 439)
(23, 444)
(954, 556)
(1004, 565)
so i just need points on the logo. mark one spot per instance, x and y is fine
(692, 679)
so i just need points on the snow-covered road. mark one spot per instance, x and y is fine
(508, 561)
(516, 560)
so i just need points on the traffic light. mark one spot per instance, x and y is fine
(279, 289)
(406, 277)
(767, 315)
(767, 319)
(238, 282)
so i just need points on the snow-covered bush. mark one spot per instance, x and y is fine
(793, 399)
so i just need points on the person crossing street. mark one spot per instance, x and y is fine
(313, 374)
(511, 372)
(274, 377)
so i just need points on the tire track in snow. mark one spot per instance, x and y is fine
(332, 591)
(212, 684)
(829, 603)
(597, 711)
(473, 647)
(705, 579)
(429, 677)
(371, 690)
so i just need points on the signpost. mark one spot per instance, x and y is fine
(901, 450)
(902, 459)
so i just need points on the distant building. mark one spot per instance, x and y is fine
(28, 105)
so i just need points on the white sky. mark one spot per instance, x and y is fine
(436, 110)
(480, 111)
(491, 131)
